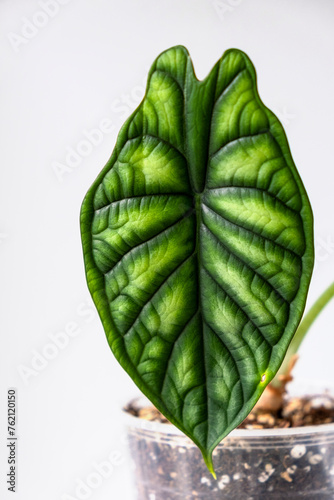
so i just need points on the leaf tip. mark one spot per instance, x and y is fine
(209, 463)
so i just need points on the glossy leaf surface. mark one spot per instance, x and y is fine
(198, 245)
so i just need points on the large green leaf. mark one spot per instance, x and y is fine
(198, 245)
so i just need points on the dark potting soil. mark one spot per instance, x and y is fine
(278, 468)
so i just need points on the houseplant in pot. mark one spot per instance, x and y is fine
(198, 245)
(283, 449)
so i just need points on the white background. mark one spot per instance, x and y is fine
(86, 64)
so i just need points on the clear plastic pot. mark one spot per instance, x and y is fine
(250, 464)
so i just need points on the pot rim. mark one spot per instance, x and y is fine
(321, 389)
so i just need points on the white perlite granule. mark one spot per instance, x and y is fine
(263, 477)
(225, 479)
(314, 459)
(205, 480)
(298, 451)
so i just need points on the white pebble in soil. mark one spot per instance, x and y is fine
(298, 451)
(182, 450)
(269, 469)
(205, 480)
(225, 479)
(151, 496)
(238, 475)
(291, 470)
(314, 459)
(263, 477)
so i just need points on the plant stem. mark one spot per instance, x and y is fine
(302, 330)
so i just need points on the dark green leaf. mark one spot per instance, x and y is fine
(198, 245)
